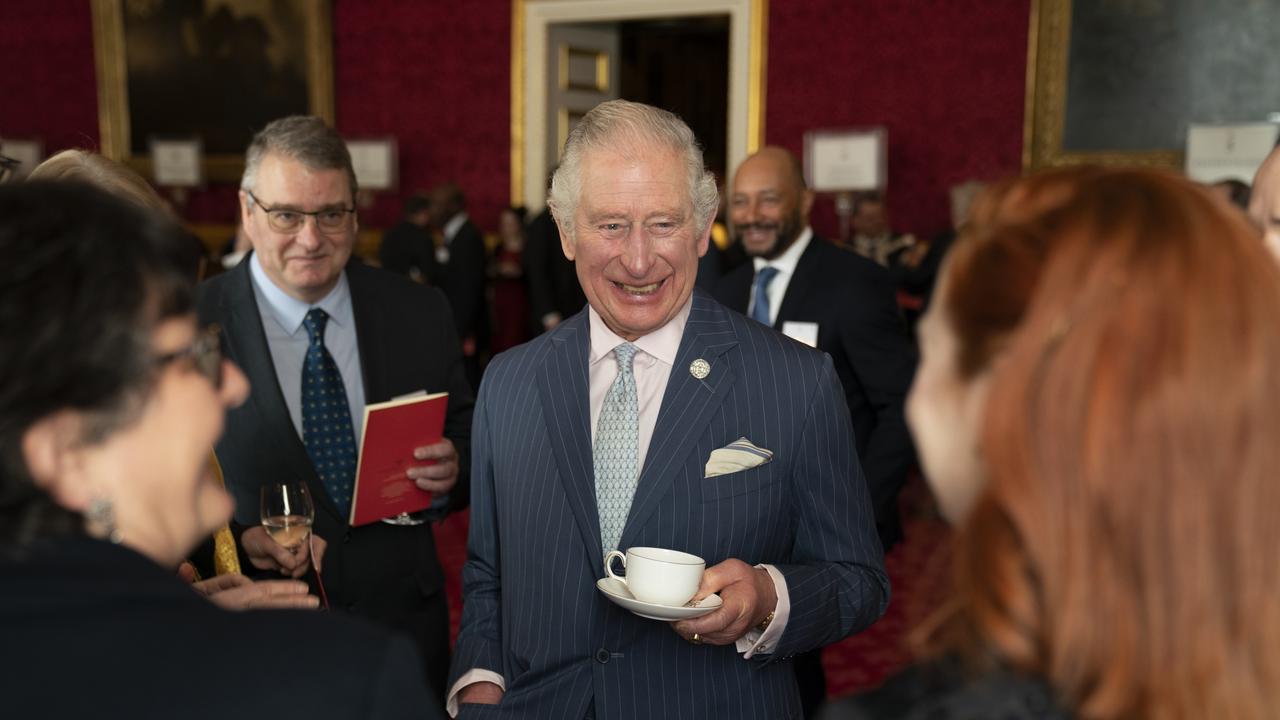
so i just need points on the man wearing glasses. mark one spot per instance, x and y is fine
(319, 338)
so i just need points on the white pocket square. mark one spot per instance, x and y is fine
(740, 454)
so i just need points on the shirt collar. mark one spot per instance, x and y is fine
(290, 311)
(787, 261)
(452, 227)
(662, 343)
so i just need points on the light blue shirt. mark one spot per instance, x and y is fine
(282, 317)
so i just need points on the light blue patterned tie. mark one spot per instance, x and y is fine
(760, 311)
(616, 450)
(326, 416)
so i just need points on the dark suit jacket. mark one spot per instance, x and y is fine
(406, 340)
(852, 301)
(944, 690)
(463, 279)
(531, 610)
(551, 277)
(406, 247)
(96, 630)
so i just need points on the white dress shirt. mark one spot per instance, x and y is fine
(451, 228)
(652, 369)
(786, 266)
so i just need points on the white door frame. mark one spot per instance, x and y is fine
(529, 21)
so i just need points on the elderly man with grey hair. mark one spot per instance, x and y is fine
(319, 339)
(655, 418)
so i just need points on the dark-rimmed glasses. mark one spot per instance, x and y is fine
(205, 354)
(287, 220)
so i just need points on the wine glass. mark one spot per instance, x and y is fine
(287, 514)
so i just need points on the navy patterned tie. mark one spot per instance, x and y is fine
(760, 311)
(617, 450)
(326, 416)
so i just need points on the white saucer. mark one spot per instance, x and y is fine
(616, 591)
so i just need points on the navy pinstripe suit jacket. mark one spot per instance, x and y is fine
(531, 609)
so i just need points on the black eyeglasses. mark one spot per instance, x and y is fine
(205, 354)
(287, 220)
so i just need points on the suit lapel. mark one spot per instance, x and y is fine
(247, 342)
(687, 405)
(801, 285)
(562, 387)
(370, 335)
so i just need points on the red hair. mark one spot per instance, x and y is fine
(1124, 545)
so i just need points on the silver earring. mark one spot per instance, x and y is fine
(102, 520)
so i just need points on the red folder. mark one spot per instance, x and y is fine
(392, 430)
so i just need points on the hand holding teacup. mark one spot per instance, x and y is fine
(657, 575)
(748, 594)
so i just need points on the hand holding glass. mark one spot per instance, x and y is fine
(287, 514)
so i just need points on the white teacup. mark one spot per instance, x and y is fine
(658, 576)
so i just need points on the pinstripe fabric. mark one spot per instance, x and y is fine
(531, 610)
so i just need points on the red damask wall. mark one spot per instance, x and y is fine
(435, 74)
(47, 83)
(946, 78)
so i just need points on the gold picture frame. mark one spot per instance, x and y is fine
(1048, 52)
(118, 117)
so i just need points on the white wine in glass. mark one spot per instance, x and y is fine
(287, 513)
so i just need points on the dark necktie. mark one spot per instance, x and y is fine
(326, 416)
(760, 311)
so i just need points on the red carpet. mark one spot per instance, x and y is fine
(916, 567)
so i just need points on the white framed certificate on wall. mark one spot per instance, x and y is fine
(1228, 151)
(375, 163)
(28, 153)
(845, 160)
(177, 162)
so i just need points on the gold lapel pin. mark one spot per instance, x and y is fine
(700, 368)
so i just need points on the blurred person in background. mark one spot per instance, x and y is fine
(510, 296)
(406, 248)
(458, 269)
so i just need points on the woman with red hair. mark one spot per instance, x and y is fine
(1098, 412)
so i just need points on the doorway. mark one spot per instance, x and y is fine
(702, 59)
(677, 64)
(682, 65)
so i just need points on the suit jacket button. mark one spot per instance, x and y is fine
(346, 537)
(602, 656)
